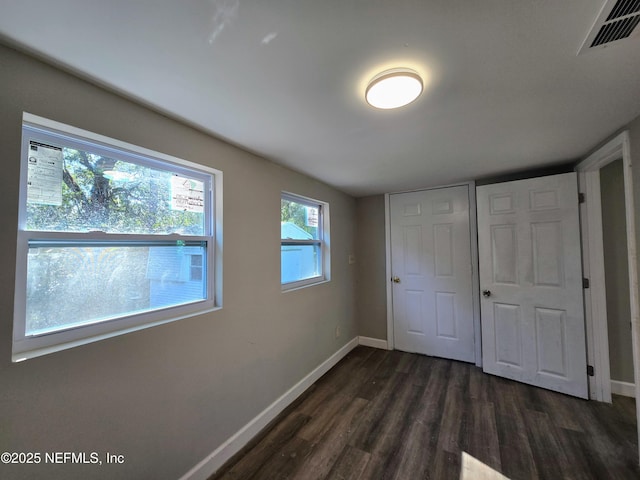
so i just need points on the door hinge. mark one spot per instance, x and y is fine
(581, 197)
(590, 370)
(585, 283)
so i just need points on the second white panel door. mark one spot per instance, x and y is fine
(531, 277)
(432, 273)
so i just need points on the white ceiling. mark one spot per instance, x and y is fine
(286, 78)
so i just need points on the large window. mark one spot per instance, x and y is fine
(111, 238)
(304, 250)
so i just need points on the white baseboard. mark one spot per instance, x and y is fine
(216, 459)
(623, 388)
(373, 342)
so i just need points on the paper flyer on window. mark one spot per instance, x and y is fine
(311, 217)
(44, 177)
(187, 195)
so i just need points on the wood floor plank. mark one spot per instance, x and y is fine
(455, 414)
(406, 362)
(394, 435)
(340, 378)
(332, 442)
(315, 399)
(479, 385)
(435, 391)
(626, 406)
(545, 446)
(559, 408)
(420, 444)
(380, 413)
(582, 461)
(609, 434)
(422, 369)
(516, 458)
(255, 460)
(323, 419)
(376, 379)
(284, 462)
(350, 465)
(447, 465)
(483, 435)
(377, 383)
(392, 415)
(418, 452)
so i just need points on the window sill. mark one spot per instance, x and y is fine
(291, 287)
(27, 354)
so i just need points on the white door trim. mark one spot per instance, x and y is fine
(387, 242)
(595, 297)
(473, 227)
(475, 271)
(619, 147)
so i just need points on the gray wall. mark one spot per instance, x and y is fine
(166, 397)
(371, 279)
(614, 229)
(634, 140)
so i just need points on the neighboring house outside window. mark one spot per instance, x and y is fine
(173, 277)
(196, 268)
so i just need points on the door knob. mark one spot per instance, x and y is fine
(486, 293)
(395, 279)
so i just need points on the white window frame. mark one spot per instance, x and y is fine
(323, 241)
(29, 346)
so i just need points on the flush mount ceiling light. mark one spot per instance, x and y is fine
(393, 88)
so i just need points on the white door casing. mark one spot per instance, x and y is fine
(595, 297)
(617, 147)
(531, 281)
(431, 261)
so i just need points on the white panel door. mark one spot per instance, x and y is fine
(531, 282)
(431, 265)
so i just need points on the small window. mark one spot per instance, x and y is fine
(196, 268)
(304, 251)
(111, 238)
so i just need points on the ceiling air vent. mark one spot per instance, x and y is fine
(618, 20)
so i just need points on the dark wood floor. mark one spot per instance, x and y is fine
(393, 415)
